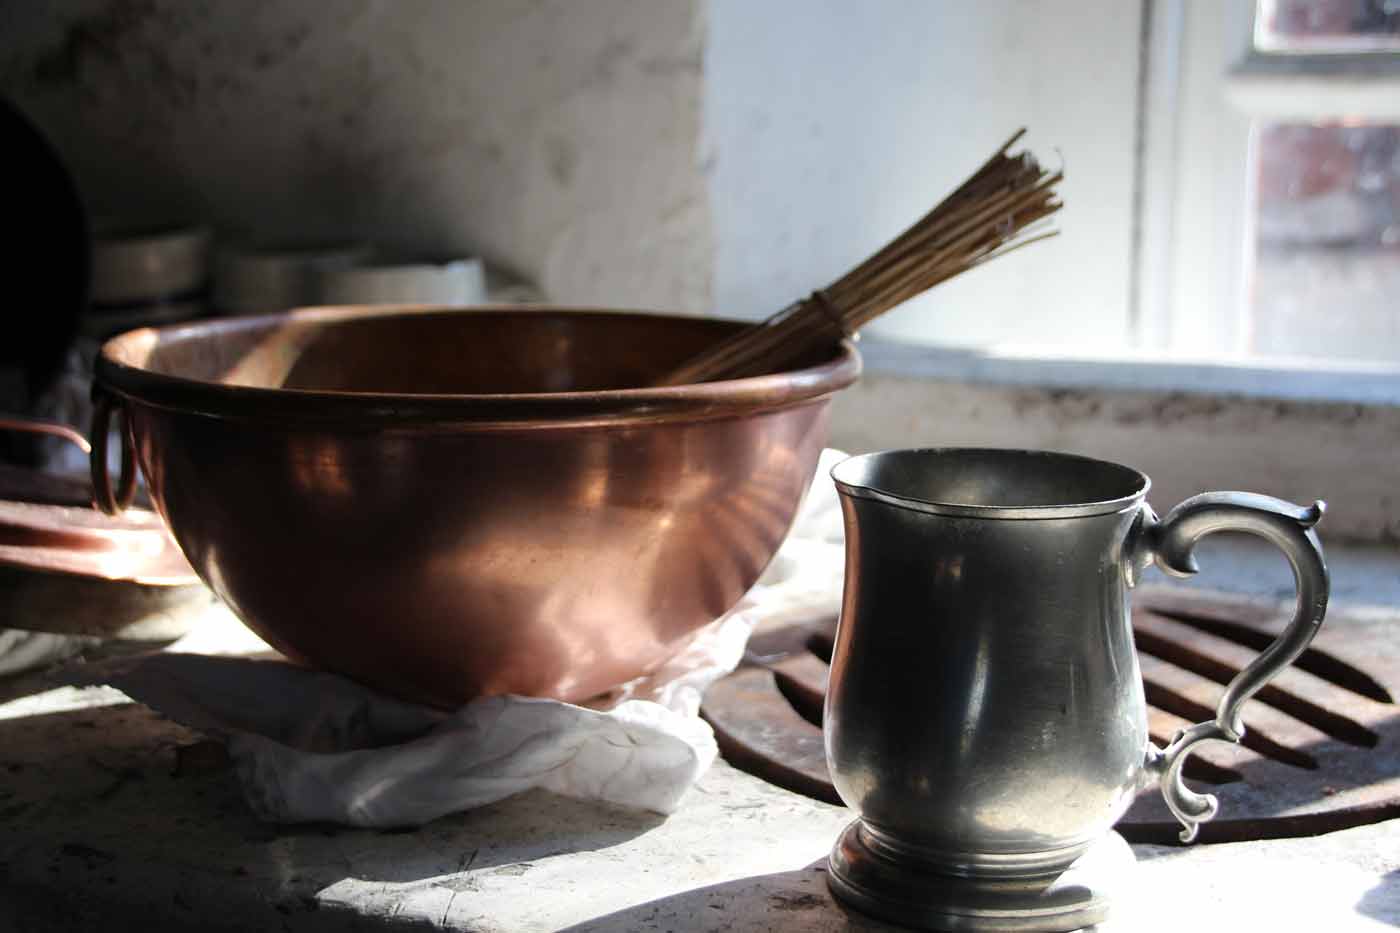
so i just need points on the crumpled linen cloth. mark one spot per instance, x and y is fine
(313, 746)
(22, 650)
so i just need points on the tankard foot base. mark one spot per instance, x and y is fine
(915, 895)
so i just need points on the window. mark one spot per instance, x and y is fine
(1326, 27)
(1327, 211)
(1231, 173)
(1326, 239)
(1286, 232)
(831, 125)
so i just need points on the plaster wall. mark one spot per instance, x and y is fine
(1187, 442)
(833, 126)
(558, 139)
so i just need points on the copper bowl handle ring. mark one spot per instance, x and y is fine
(47, 428)
(106, 501)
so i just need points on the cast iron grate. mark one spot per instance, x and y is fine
(1322, 751)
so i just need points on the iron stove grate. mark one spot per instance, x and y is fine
(1322, 751)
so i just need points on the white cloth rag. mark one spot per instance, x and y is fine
(313, 746)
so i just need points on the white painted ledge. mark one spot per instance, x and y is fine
(1291, 379)
(1285, 431)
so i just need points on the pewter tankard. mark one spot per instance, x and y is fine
(985, 714)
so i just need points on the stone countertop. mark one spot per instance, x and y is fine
(116, 819)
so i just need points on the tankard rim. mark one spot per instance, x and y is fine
(1125, 487)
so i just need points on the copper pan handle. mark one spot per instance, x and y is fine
(104, 405)
(51, 428)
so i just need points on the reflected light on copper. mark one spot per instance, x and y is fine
(444, 504)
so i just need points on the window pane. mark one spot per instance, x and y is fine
(1327, 259)
(1322, 26)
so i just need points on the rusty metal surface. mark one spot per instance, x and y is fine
(66, 569)
(133, 547)
(445, 504)
(1322, 750)
(48, 526)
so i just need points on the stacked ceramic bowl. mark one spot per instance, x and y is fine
(260, 280)
(146, 276)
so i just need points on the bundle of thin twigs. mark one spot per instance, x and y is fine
(1002, 207)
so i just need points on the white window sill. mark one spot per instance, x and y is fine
(1282, 430)
(1285, 379)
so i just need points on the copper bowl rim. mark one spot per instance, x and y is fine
(700, 401)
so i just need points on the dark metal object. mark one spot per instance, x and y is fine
(46, 259)
(445, 504)
(892, 883)
(988, 591)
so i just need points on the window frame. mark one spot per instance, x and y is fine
(1220, 84)
(1199, 80)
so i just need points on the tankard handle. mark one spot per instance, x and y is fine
(1170, 543)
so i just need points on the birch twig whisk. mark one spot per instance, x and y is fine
(1002, 207)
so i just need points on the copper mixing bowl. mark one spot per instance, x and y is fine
(450, 503)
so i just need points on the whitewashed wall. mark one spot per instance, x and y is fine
(557, 138)
(1188, 442)
(563, 138)
(833, 125)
